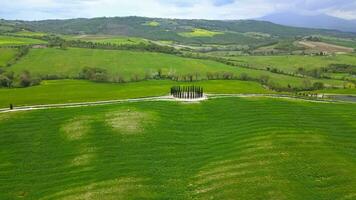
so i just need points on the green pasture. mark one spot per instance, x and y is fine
(200, 33)
(128, 64)
(30, 33)
(18, 41)
(6, 54)
(292, 62)
(118, 40)
(69, 91)
(245, 148)
(339, 41)
(152, 23)
(346, 91)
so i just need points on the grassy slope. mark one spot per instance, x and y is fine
(66, 91)
(292, 63)
(128, 63)
(119, 40)
(347, 91)
(14, 41)
(200, 33)
(6, 54)
(221, 149)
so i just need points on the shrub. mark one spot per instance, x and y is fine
(94, 74)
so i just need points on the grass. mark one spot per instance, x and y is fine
(293, 62)
(200, 33)
(347, 91)
(340, 41)
(250, 148)
(30, 33)
(127, 64)
(69, 91)
(18, 41)
(152, 23)
(6, 54)
(119, 40)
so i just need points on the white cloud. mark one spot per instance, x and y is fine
(207, 9)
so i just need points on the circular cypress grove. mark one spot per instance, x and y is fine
(187, 92)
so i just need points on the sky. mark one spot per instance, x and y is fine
(183, 9)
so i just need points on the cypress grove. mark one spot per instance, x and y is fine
(187, 92)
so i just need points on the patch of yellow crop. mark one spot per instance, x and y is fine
(76, 128)
(128, 121)
(200, 33)
(119, 188)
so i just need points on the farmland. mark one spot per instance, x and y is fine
(118, 40)
(291, 63)
(6, 54)
(128, 64)
(16, 41)
(70, 91)
(108, 109)
(200, 33)
(256, 148)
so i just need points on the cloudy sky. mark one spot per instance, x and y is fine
(187, 9)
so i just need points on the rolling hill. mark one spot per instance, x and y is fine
(230, 32)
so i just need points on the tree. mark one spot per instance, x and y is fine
(25, 79)
(318, 85)
(264, 79)
(5, 81)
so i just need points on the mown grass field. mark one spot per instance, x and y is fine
(293, 62)
(30, 33)
(245, 148)
(127, 64)
(119, 40)
(200, 33)
(69, 91)
(18, 41)
(6, 54)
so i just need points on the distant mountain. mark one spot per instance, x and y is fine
(314, 21)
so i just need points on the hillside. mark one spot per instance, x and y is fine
(230, 32)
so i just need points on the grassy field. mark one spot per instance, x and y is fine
(200, 33)
(119, 40)
(347, 91)
(6, 54)
(126, 64)
(340, 41)
(69, 91)
(250, 148)
(17, 41)
(293, 62)
(30, 33)
(152, 23)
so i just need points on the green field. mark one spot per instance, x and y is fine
(340, 41)
(152, 23)
(293, 62)
(18, 41)
(30, 33)
(347, 91)
(127, 64)
(69, 91)
(6, 54)
(118, 40)
(200, 33)
(250, 148)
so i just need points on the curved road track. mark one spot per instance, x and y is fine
(162, 98)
